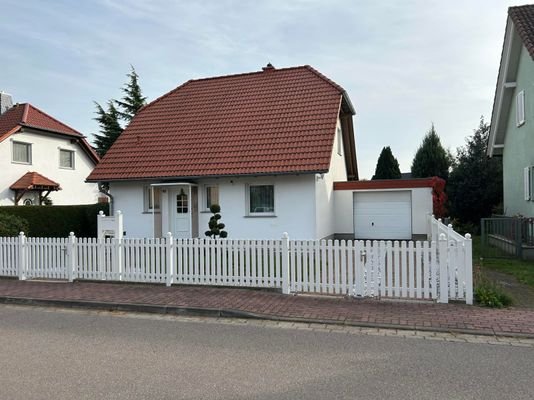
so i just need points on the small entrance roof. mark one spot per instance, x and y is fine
(34, 181)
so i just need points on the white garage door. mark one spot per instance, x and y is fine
(383, 215)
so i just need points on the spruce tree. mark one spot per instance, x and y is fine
(431, 159)
(110, 128)
(387, 166)
(475, 183)
(133, 98)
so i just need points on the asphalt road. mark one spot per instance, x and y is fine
(56, 354)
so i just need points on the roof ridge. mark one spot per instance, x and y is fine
(247, 73)
(48, 116)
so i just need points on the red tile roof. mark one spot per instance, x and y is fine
(34, 180)
(523, 18)
(272, 122)
(26, 115)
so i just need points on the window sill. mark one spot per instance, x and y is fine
(150, 212)
(21, 162)
(205, 212)
(261, 216)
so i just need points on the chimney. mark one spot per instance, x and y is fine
(6, 102)
(268, 67)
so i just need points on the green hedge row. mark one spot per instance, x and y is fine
(58, 221)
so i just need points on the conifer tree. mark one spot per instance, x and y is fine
(387, 166)
(475, 183)
(431, 159)
(133, 98)
(110, 128)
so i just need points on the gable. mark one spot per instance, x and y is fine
(518, 48)
(277, 121)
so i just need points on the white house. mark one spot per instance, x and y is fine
(40, 157)
(266, 146)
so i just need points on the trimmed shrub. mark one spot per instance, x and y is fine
(216, 227)
(11, 225)
(58, 221)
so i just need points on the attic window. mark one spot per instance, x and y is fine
(520, 108)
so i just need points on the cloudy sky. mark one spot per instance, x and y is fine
(405, 64)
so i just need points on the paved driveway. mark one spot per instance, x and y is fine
(55, 354)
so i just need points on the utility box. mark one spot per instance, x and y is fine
(110, 227)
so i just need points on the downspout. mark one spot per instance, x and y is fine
(103, 187)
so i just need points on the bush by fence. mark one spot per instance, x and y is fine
(58, 221)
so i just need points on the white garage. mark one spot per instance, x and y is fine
(395, 209)
(382, 215)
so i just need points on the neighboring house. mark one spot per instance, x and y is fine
(267, 146)
(42, 158)
(512, 124)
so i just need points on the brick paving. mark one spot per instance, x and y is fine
(272, 305)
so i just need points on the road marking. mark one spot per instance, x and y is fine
(315, 327)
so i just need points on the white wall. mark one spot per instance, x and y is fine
(45, 160)
(421, 207)
(324, 191)
(294, 207)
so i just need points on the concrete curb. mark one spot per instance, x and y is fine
(230, 313)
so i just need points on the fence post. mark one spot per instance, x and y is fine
(169, 248)
(285, 263)
(449, 232)
(71, 257)
(468, 269)
(518, 241)
(443, 264)
(22, 256)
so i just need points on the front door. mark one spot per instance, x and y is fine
(181, 209)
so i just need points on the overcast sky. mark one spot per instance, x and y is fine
(405, 64)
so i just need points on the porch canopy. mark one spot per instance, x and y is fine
(34, 182)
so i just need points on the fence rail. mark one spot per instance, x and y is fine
(506, 236)
(402, 269)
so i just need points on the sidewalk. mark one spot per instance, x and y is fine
(230, 302)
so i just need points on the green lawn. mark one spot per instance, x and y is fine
(522, 270)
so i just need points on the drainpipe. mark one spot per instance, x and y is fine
(103, 187)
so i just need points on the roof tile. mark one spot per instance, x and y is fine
(276, 121)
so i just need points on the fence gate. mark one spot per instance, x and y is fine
(45, 258)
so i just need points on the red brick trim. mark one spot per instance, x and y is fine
(385, 184)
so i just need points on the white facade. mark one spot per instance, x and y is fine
(421, 207)
(45, 150)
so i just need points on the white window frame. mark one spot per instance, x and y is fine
(29, 146)
(520, 108)
(339, 138)
(247, 199)
(73, 158)
(205, 196)
(147, 198)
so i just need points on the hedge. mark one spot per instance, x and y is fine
(59, 221)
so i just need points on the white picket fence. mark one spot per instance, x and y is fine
(406, 269)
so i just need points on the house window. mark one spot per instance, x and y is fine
(212, 196)
(22, 153)
(182, 203)
(66, 159)
(520, 108)
(152, 200)
(339, 142)
(528, 177)
(261, 199)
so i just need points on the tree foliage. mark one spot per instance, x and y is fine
(475, 183)
(110, 128)
(125, 109)
(431, 159)
(133, 98)
(216, 227)
(387, 166)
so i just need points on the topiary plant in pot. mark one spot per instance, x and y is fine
(215, 227)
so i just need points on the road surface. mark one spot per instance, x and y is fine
(67, 354)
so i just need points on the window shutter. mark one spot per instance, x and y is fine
(520, 108)
(526, 182)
